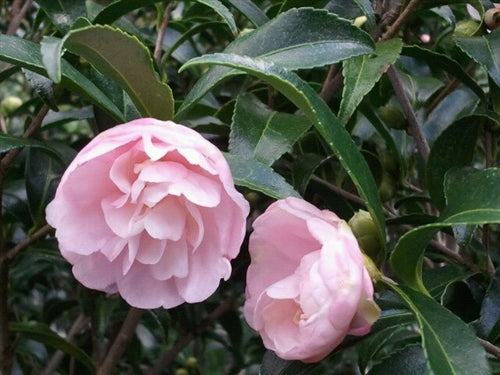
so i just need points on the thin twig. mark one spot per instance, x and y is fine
(453, 255)
(161, 32)
(17, 13)
(34, 125)
(329, 85)
(414, 127)
(185, 339)
(337, 190)
(490, 348)
(121, 340)
(78, 325)
(11, 253)
(401, 20)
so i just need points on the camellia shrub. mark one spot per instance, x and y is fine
(237, 187)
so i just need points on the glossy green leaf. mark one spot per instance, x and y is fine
(119, 8)
(450, 346)
(63, 13)
(261, 133)
(362, 72)
(485, 50)
(259, 177)
(125, 59)
(273, 365)
(408, 361)
(27, 54)
(454, 106)
(462, 135)
(441, 61)
(306, 46)
(51, 49)
(222, 10)
(490, 309)
(41, 333)
(10, 142)
(332, 131)
(250, 11)
(466, 204)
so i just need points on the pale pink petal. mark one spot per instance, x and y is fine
(173, 263)
(150, 249)
(166, 220)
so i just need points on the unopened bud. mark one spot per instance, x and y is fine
(191, 363)
(366, 232)
(181, 371)
(10, 104)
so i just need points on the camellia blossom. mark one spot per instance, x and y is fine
(307, 286)
(148, 209)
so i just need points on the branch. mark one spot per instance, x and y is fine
(17, 13)
(490, 348)
(11, 253)
(79, 324)
(187, 337)
(414, 127)
(161, 32)
(401, 20)
(121, 340)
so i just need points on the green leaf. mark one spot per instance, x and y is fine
(332, 131)
(306, 46)
(51, 49)
(490, 309)
(362, 72)
(10, 142)
(466, 204)
(462, 135)
(441, 61)
(454, 106)
(259, 177)
(26, 54)
(221, 9)
(408, 361)
(273, 365)
(449, 344)
(250, 11)
(485, 50)
(41, 333)
(125, 59)
(63, 13)
(262, 133)
(119, 8)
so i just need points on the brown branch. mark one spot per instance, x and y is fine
(401, 20)
(490, 348)
(161, 32)
(79, 324)
(331, 84)
(187, 337)
(337, 190)
(11, 253)
(17, 13)
(120, 343)
(414, 127)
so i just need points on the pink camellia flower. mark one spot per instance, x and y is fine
(307, 286)
(149, 209)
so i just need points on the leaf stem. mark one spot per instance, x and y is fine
(414, 127)
(121, 340)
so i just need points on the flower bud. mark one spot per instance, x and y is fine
(366, 233)
(191, 363)
(181, 371)
(9, 105)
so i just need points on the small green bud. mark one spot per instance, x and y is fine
(387, 187)
(366, 232)
(392, 117)
(191, 363)
(467, 28)
(10, 104)
(372, 269)
(181, 371)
